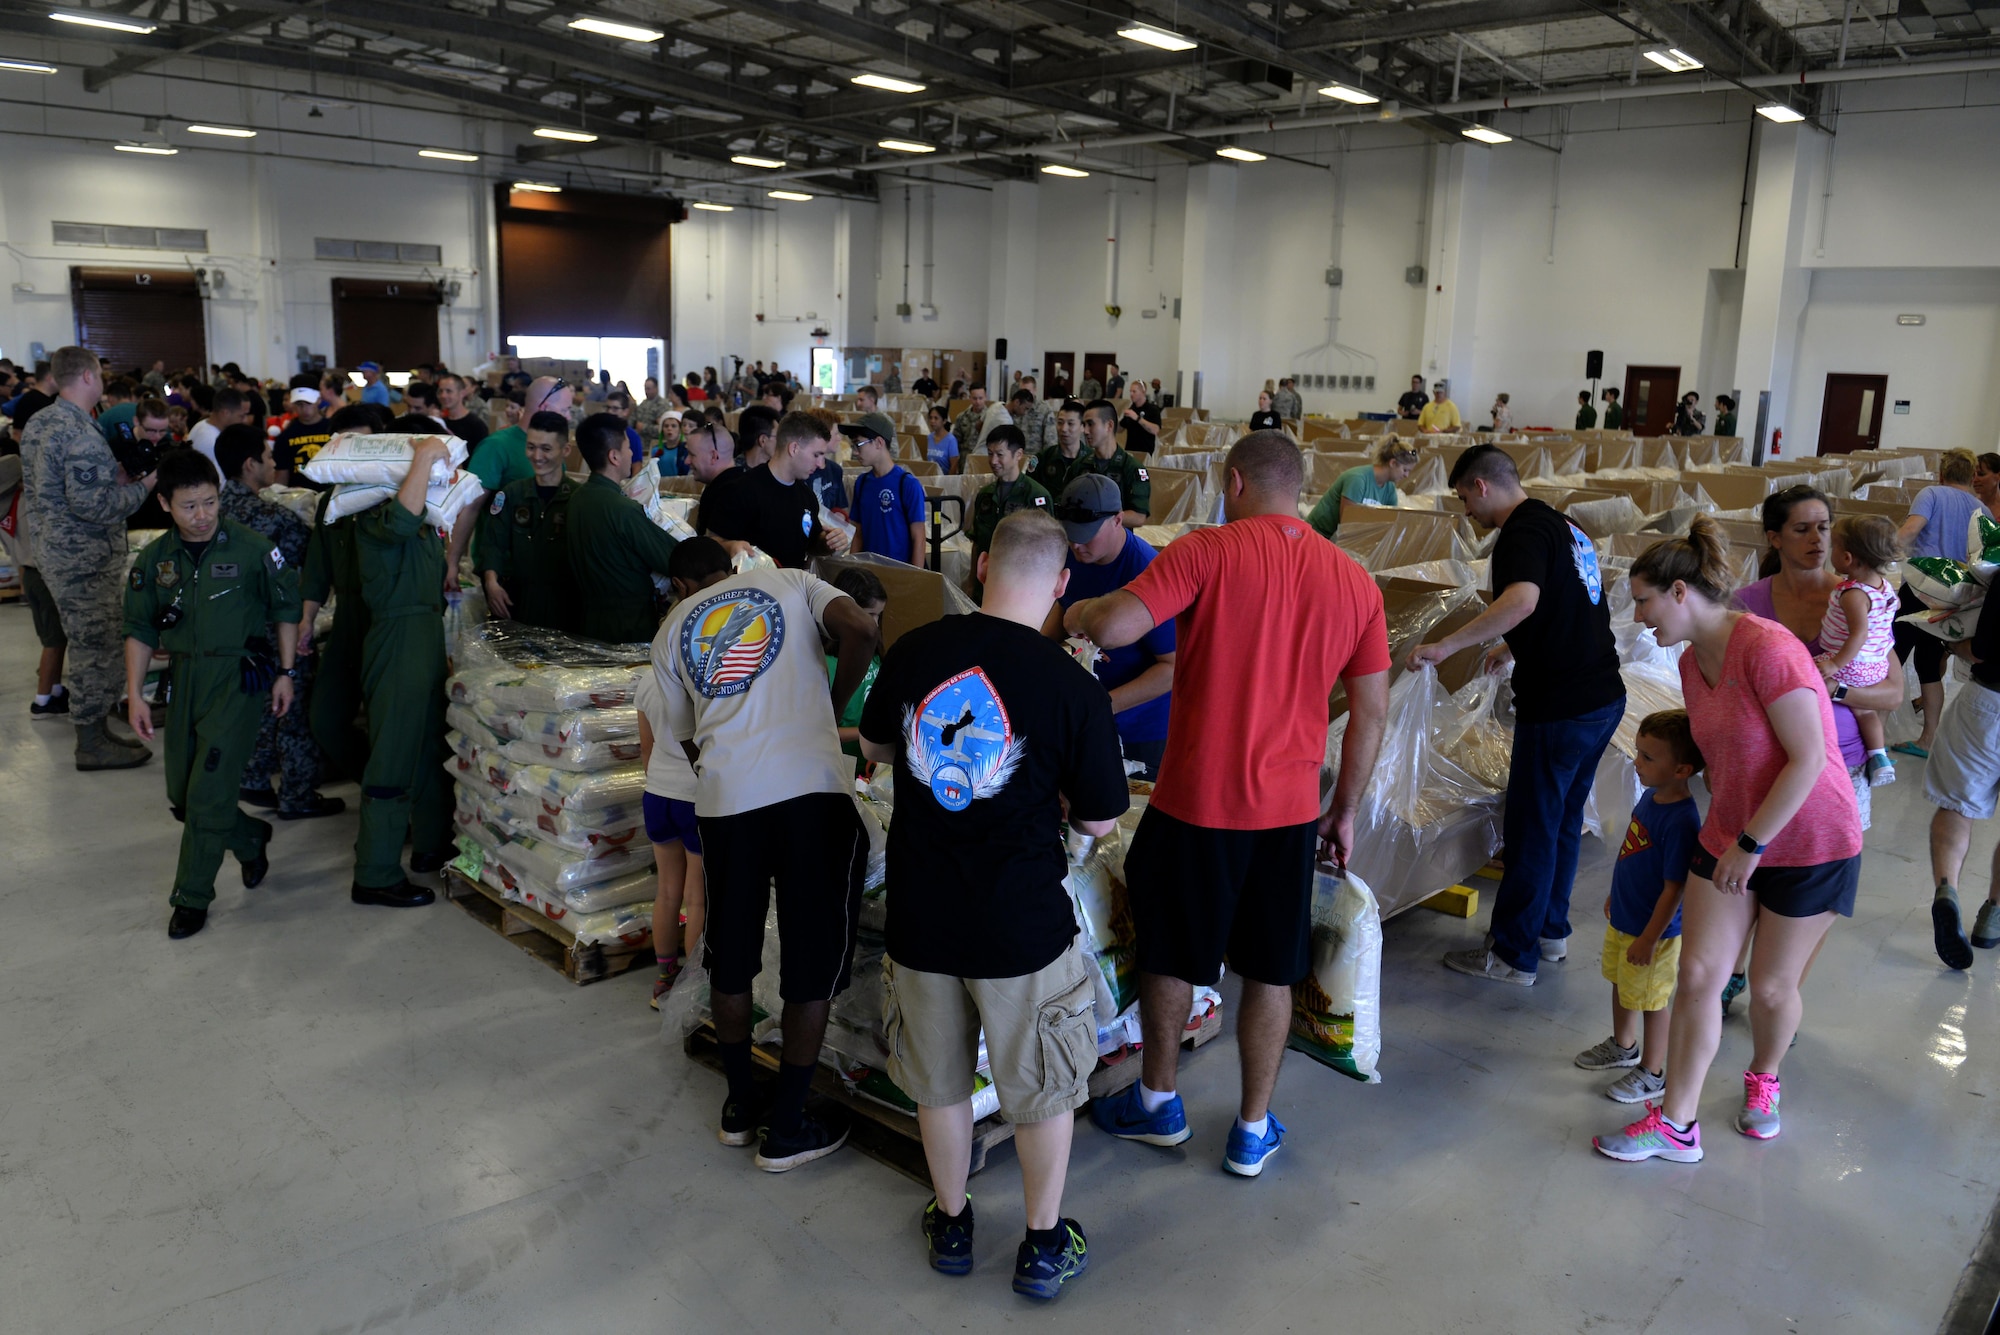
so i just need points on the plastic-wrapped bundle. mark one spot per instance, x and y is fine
(1337, 1010)
(472, 686)
(554, 690)
(632, 891)
(499, 643)
(577, 793)
(566, 871)
(459, 719)
(442, 500)
(1943, 585)
(381, 460)
(574, 725)
(624, 924)
(576, 755)
(301, 501)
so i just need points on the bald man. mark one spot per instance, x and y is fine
(499, 459)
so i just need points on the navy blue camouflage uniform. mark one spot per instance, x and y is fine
(285, 746)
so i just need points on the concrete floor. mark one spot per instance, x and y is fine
(315, 1117)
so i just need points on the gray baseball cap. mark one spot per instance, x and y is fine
(1085, 504)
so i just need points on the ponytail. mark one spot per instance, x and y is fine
(1700, 561)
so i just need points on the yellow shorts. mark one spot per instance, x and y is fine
(1641, 987)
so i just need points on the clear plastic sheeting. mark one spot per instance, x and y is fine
(534, 647)
(1337, 1009)
(1399, 538)
(301, 501)
(1476, 575)
(1602, 518)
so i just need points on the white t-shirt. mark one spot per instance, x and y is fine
(742, 675)
(668, 773)
(202, 440)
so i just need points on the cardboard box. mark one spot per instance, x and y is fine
(1730, 491)
(916, 597)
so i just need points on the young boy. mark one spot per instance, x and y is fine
(1642, 946)
(888, 509)
(668, 806)
(223, 670)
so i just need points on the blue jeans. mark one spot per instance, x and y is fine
(1548, 781)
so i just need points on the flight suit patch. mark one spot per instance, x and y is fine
(223, 570)
(1041, 500)
(522, 518)
(85, 477)
(138, 578)
(167, 573)
(499, 503)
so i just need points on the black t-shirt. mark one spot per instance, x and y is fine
(1986, 648)
(28, 405)
(926, 387)
(1266, 422)
(470, 428)
(992, 724)
(781, 519)
(1412, 403)
(1565, 660)
(1138, 440)
(298, 443)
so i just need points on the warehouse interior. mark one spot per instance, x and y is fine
(315, 1117)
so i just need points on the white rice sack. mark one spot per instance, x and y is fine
(380, 460)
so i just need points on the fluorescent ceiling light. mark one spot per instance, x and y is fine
(114, 22)
(707, 207)
(887, 84)
(27, 66)
(1671, 59)
(157, 150)
(1487, 136)
(226, 131)
(630, 32)
(1239, 154)
(749, 160)
(1148, 35)
(567, 136)
(789, 194)
(1344, 93)
(447, 155)
(1057, 169)
(537, 187)
(906, 146)
(1779, 112)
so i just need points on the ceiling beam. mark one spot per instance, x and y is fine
(185, 41)
(1695, 30)
(1432, 21)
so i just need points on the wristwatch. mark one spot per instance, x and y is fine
(1749, 844)
(1840, 691)
(292, 672)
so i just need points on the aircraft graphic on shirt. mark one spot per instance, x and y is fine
(730, 640)
(960, 741)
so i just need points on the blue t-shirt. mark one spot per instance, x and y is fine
(1658, 844)
(830, 485)
(376, 393)
(1947, 513)
(1142, 723)
(942, 451)
(884, 508)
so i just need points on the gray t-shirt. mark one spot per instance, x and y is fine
(743, 676)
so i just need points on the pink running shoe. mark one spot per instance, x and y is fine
(1759, 1118)
(1651, 1138)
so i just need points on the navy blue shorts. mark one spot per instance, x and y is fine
(1795, 892)
(668, 820)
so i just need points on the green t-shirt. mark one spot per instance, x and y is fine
(851, 716)
(500, 458)
(1356, 484)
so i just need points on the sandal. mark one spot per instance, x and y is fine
(1911, 749)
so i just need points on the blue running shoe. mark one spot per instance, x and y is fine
(1125, 1117)
(1041, 1272)
(949, 1238)
(1246, 1154)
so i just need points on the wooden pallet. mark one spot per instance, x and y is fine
(889, 1135)
(550, 942)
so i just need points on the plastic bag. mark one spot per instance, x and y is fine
(1337, 1009)
(442, 501)
(566, 871)
(381, 460)
(556, 690)
(1942, 584)
(576, 754)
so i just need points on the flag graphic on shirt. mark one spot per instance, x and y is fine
(730, 640)
(1636, 839)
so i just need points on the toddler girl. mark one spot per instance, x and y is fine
(1859, 631)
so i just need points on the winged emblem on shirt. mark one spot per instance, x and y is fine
(960, 741)
(730, 640)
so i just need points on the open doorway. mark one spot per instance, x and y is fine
(1650, 395)
(1058, 375)
(1095, 363)
(628, 359)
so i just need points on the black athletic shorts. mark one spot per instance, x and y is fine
(1795, 892)
(1200, 895)
(815, 849)
(1929, 649)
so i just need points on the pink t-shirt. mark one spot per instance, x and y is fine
(1763, 663)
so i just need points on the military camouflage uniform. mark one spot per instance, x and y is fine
(966, 427)
(284, 745)
(1038, 424)
(1287, 405)
(78, 506)
(1089, 390)
(647, 414)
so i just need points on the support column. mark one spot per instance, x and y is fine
(854, 282)
(1010, 298)
(1451, 288)
(1208, 332)
(1775, 286)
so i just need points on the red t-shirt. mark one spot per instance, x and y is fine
(1271, 616)
(1763, 663)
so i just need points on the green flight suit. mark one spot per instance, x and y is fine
(223, 597)
(1725, 425)
(1614, 416)
(1054, 471)
(524, 541)
(615, 551)
(988, 509)
(1135, 487)
(403, 788)
(1586, 417)
(333, 573)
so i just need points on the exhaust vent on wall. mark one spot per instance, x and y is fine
(131, 238)
(380, 252)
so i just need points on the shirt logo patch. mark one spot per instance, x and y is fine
(1584, 552)
(887, 501)
(499, 503)
(85, 477)
(223, 570)
(277, 559)
(1041, 500)
(730, 640)
(1143, 477)
(806, 524)
(960, 742)
(1637, 840)
(137, 578)
(167, 573)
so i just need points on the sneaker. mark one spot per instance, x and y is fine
(665, 982)
(258, 797)
(1485, 964)
(1759, 1118)
(1733, 989)
(740, 1121)
(1651, 1138)
(1555, 949)
(1637, 1085)
(1125, 1117)
(57, 707)
(949, 1238)
(1881, 771)
(1608, 1056)
(819, 1135)
(1246, 1154)
(1040, 1273)
(1986, 927)
(1948, 932)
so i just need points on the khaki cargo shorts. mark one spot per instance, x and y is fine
(1041, 1036)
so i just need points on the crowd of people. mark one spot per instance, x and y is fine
(767, 684)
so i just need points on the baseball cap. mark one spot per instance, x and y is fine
(1085, 504)
(871, 424)
(303, 395)
(369, 366)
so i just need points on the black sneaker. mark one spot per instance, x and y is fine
(319, 806)
(258, 797)
(740, 1121)
(818, 1136)
(949, 1238)
(1040, 1273)
(57, 707)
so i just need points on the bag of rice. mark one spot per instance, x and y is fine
(1337, 1009)
(1942, 583)
(380, 460)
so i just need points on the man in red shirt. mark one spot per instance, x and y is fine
(1223, 861)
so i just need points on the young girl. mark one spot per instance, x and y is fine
(869, 595)
(668, 805)
(1859, 631)
(942, 447)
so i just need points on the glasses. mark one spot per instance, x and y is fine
(546, 396)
